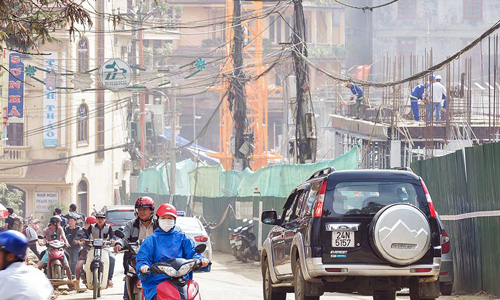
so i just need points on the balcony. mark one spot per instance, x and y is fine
(15, 153)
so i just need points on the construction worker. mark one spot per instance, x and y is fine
(438, 91)
(443, 101)
(357, 93)
(417, 94)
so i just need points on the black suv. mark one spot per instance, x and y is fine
(370, 232)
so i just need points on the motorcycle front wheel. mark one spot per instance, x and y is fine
(95, 283)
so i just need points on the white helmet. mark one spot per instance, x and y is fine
(438, 78)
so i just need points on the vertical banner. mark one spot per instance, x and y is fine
(15, 111)
(50, 109)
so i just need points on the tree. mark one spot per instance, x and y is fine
(12, 198)
(25, 23)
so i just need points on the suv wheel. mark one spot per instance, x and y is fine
(384, 295)
(446, 289)
(415, 292)
(270, 293)
(300, 285)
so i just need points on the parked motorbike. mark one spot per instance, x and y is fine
(235, 241)
(248, 248)
(178, 288)
(134, 286)
(96, 266)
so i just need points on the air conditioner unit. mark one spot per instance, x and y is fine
(127, 165)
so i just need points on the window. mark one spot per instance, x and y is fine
(367, 198)
(278, 31)
(83, 124)
(15, 132)
(287, 25)
(406, 47)
(289, 207)
(336, 18)
(473, 9)
(83, 55)
(407, 10)
(271, 28)
(83, 196)
(313, 194)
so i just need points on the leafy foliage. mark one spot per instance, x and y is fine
(11, 198)
(25, 23)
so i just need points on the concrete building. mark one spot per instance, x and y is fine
(59, 122)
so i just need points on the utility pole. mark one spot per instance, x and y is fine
(305, 133)
(173, 158)
(237, 92)
(142, 106)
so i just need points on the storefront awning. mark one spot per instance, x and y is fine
(50, 171)
(3, 212)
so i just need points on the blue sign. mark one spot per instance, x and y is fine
(50, 107)
(15, 111)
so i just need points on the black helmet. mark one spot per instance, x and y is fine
(55, 219)
(100, 215)
(73, 216)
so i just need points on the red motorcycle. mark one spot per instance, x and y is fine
(55, 265)
(178, 288)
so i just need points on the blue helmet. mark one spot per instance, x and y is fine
(15, 242)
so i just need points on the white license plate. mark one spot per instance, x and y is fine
(342, 239)
(238, 243)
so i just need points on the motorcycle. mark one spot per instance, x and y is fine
(248, 248)
(134, 286)
(235, 241)
(96, 266)
(55, 264)
(178, 288)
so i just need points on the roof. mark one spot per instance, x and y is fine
(373, 174)
(50, 171)
(120, 207)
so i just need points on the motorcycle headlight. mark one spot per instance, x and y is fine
(186, 268)
(169, 271)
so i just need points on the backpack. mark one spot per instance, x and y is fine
(17, 224)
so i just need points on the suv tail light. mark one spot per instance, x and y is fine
(445, 242)
(320, 201)
(429, 199)
(201, 238)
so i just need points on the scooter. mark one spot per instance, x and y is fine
(96, 266)
(55, 264)
(232, 242)
(248, 248)
(178, 288)
(134, 286)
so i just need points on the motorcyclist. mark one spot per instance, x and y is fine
(101, 230)
(166, 243)
(82, 234)
(19, 281)
(137, 229)
(54, 232)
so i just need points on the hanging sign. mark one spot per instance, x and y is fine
(50, 133)
(115, 74)
(15, 111)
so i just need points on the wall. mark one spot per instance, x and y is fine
(464, 188)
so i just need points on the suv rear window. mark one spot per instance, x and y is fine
(120, 215)
(368, 197)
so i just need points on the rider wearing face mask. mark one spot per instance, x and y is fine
(166, 243)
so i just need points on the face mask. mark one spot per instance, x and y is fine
(166, 224)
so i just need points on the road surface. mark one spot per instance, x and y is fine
(231, 279)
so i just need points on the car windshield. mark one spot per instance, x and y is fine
(120, 215)
(188, 224)
(368, 198)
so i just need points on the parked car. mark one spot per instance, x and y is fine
(370, 232)
(194, 229)
(118, 215)
(446, 272)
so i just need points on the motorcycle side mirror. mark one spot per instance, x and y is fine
(119, 234)
(230, 229)
(245, 220)
(200, 248)
(250, 222)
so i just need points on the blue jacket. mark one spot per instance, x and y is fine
(418, 92)
(163, 246)
(356, 91)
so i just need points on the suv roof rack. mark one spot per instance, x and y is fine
(403, 169)
(322, 172)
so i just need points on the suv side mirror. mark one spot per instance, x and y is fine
(270, 217)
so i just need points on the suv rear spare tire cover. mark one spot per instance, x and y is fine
(400, 233)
